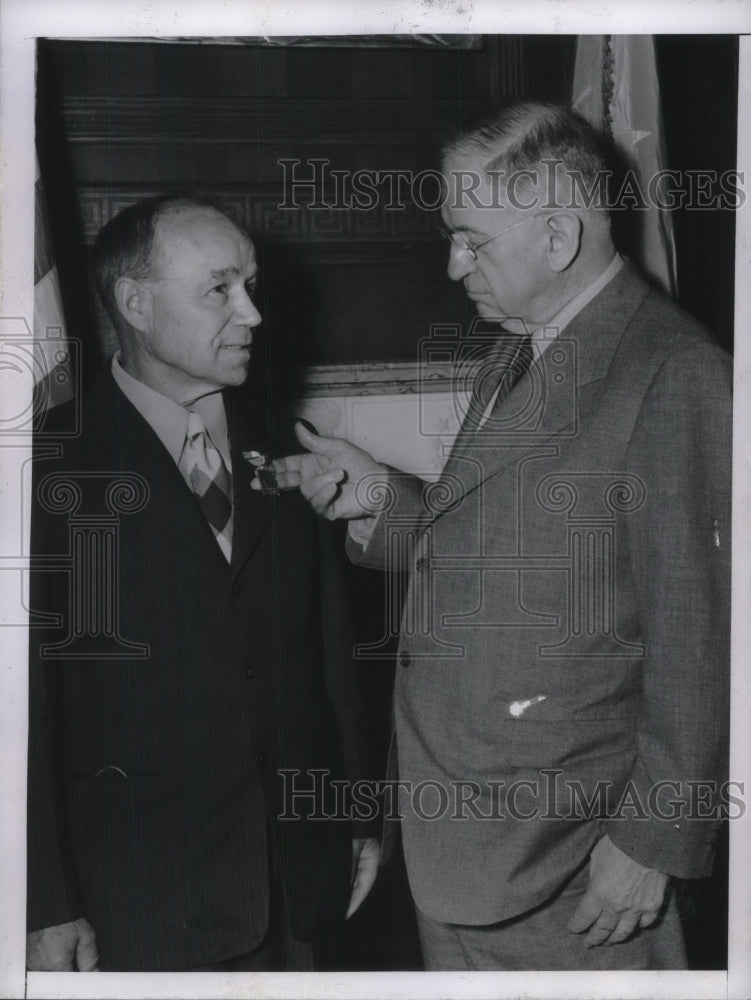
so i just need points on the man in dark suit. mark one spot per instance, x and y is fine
(561, 699)
(194, 653)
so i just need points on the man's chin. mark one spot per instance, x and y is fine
(490, 311)
(236, 373)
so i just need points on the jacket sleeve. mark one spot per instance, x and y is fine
(678, 548)
(387, 547)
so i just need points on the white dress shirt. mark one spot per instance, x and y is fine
(169, 420)
(543, 336)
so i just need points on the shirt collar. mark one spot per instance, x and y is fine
(546, 334)
(168, 419)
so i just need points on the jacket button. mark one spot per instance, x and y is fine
(260, 758)
(404, 659)
(249, 672)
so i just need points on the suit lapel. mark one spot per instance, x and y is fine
(124, 441)
(253, 510)
(551, 398)
(135, 447)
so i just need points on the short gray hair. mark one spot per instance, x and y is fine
(522, 135)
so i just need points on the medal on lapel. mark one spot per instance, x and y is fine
(264, 471)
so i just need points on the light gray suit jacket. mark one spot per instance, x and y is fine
(564, 648)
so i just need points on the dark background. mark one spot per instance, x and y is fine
(120, 120)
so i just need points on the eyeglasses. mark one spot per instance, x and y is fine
(470, 249)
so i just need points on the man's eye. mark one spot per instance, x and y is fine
(221, 289)
(251, 287)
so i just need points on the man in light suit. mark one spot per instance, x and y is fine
(562, 682)
(194, 650)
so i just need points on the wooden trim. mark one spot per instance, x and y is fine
(463, 42)
(379, 236)
(375, 379)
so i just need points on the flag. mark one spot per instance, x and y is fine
(54, 383)
(616, 88)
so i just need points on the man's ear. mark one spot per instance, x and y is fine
(134, 303)
(563, 239)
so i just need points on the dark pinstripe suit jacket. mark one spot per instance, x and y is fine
(154, 773)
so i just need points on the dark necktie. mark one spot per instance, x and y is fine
(507, 362)
(210, 480)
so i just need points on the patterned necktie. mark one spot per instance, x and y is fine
(507, 362)
(210, 479)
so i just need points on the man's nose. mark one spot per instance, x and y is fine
(460, 263)
(246, 312)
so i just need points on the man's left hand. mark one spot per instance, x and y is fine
(365, 857)
(621, 896)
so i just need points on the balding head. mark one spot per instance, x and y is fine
(178, 278)
(128, 245)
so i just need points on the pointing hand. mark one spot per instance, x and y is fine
(338, 479)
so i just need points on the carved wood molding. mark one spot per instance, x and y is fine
(378, 236)
(463, 42)
(375, 379)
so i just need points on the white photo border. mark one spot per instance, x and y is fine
(21, 23)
